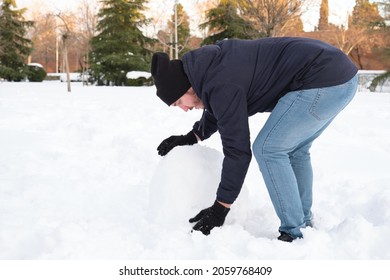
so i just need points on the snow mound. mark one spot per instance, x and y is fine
(185, 182)
(35, 64)
(138, 74)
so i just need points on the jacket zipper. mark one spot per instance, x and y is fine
(202, 122)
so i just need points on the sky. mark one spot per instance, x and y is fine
(338, 9)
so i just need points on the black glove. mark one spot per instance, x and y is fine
(209, 218)
(173, 141)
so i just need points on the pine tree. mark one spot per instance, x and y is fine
(323, 22)
(15, 46)
(119, 46)
(225, 22)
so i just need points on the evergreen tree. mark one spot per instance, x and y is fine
(366, 15)
(225, 22)
(323, 22)
(366, 22)
(119, 46)
(381, 79)
(15, 46)
(183, 29)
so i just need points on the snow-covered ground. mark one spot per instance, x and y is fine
(80, 178)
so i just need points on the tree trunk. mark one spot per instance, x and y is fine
(66, 62)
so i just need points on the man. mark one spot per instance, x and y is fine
(304, 83)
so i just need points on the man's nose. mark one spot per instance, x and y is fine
(184, 108)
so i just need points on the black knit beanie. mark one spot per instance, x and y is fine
(169, 77)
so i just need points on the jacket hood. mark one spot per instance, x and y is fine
(200, 64)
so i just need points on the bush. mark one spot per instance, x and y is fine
(35, 73)
(12, 74)
(379, 80)
(141, 81)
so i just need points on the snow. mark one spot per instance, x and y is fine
(80, 178)
(35, 64)
(74, 77)
(138, 74)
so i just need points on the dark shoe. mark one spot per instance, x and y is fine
(309, 224)
(285, 237)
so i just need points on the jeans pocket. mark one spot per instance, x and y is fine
(331, 100)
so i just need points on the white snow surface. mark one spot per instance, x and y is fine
(80, 178)
(138, 74)
(35, 64)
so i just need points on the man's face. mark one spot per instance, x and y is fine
(189, 101)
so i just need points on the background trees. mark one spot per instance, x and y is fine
(360, 36)
(183, 29)
(323, 22)
(366, 23)
(43, 36)
(107, 38)
(271, 17)
(87, 18)
(385, 54)
(15, 46)
(249, 19)
(119, 46)
(224, 22)
(166, 37)
(47, 32)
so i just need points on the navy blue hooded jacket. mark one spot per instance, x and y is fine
(237, 78)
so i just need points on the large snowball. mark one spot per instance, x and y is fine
(185, 182)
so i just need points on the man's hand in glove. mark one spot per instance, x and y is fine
(168, 144)
(209, 218)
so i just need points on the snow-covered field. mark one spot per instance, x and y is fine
(80, 178)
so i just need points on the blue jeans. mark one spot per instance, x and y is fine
(282, 149)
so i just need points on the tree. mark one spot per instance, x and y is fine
(344, 39)
(15, 45)
(119, 46)
(224, 22)
(366, 22)
(381, 79)
(47, 36)
(366, 15)
(66, 30)
(1, 38)
(87, 18)
(293, 27)
(270, 17)
(323, 22)
(201, 9)
(43, 36)
(183, 29)
(166, 37)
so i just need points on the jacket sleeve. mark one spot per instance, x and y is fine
(229, 106)
(206, 127)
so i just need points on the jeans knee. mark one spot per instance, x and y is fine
(258, 149)
(300, 155)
